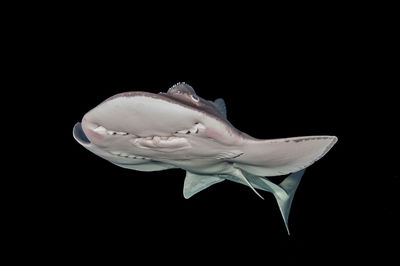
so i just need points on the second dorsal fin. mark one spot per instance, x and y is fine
(221, 107)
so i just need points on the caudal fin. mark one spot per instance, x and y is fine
(283, 193)
(289, 185)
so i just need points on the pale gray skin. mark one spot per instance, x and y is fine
(178, 129)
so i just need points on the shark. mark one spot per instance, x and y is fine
(145, 131)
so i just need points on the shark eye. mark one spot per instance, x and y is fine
(195, 98)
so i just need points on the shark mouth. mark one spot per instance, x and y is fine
(175, 141)
(195, 129)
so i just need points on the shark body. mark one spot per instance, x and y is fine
(178, 129)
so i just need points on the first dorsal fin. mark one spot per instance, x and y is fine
(221, 107)
(181, 87)
(195, 183)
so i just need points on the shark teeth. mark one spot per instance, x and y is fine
(103, 130)
(197, 127)
(127, 155)
(193, 130)
(100, 129)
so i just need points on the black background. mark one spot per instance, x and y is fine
(279, 78)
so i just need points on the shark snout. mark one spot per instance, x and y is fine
(88, 132)
(89, 129)
(80, 135)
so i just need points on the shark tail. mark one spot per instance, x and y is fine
(289, 186)
(283, 193)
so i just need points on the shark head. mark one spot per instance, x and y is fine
(136, 124)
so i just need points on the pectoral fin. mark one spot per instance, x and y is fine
(195, 183)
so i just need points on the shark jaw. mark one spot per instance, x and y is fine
(108, 138)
